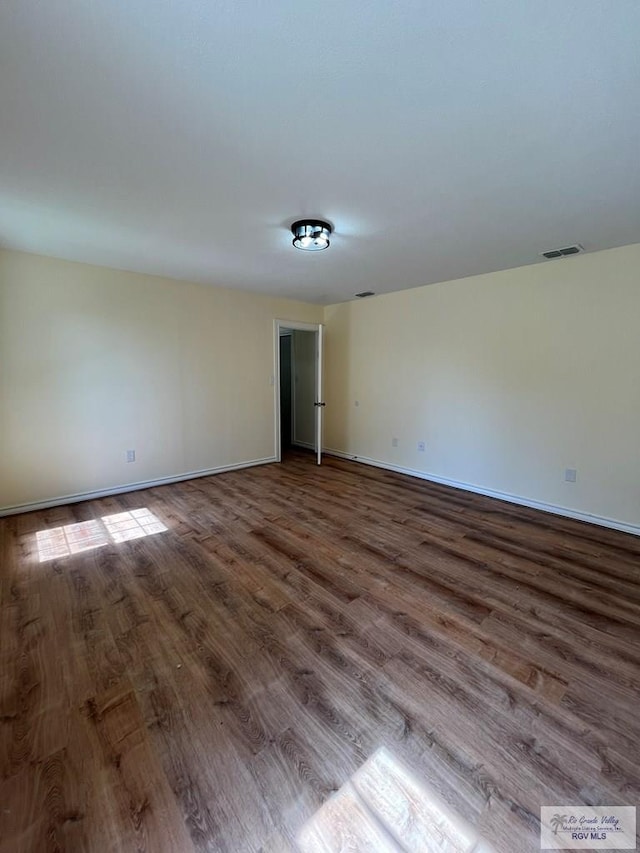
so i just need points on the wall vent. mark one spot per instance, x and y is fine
(364, 293)
(562, 253)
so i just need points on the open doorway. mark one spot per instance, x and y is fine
(286, 390)
(298, 387)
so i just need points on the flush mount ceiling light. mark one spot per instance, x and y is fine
(312, 235)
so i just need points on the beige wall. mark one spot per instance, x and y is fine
(509, 378)
(94, 362)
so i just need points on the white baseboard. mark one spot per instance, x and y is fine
(591, 518)
(304, 444)
(130, 487)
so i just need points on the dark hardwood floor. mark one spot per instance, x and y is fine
(209, 686)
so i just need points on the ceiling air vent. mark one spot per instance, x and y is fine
(562, 253)
(364, 293)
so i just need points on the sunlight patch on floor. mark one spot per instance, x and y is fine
(382, 808)
(70, 539)
(132, 525)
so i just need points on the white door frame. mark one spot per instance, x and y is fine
(302, 327)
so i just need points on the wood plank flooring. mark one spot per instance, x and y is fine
(210, 686)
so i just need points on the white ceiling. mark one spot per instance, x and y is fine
(182, 137)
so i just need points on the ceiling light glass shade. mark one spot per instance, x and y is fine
(312, 235)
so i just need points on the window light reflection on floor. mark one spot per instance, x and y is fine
(383, 808)
(71, 539)
(87, 535)
(132, 525)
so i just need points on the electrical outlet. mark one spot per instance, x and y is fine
(421, 445)
(131, 456)
(570, 475)
(394, 442)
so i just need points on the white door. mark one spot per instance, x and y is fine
(319, 403)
